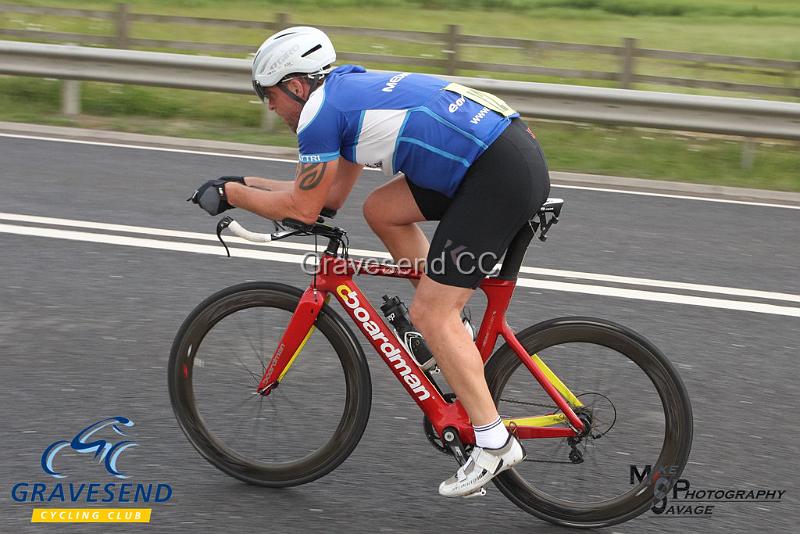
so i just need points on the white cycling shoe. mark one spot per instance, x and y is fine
(481, 467)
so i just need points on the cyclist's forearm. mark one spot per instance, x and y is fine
(268, 184)
(275, 205)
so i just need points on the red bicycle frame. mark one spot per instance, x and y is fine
(335, 277)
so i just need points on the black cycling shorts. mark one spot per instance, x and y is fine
(502, 189)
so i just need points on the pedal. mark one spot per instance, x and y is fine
(480, 493)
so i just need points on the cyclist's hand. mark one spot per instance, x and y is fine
(211, 195)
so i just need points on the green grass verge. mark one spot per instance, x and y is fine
(618, 151)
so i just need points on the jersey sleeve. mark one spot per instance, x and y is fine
(319, 132)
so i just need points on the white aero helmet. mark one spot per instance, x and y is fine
(297, 50)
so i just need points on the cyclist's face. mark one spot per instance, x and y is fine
(287, 108)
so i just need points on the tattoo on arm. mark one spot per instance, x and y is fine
(310, 174)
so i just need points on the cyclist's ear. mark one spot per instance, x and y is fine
(299, 87)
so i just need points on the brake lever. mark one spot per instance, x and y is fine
(221, 225)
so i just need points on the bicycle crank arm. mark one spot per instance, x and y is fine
(453, 442)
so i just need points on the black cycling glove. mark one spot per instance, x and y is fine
(211, 195)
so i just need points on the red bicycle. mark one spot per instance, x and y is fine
(257, 369)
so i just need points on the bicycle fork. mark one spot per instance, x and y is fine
(300, 328)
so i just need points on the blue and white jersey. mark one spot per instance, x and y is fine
(416, 124)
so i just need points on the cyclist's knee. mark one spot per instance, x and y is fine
(422, 318)
(374, 210)
(416, 312)
(428, 312)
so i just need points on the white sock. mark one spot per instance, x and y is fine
(491, 436)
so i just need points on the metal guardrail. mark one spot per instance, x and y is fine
(709, 114)
(448, 52)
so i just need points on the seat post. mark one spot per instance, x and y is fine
(512, 262)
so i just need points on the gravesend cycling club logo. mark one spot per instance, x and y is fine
(103, 443)
(103, 450)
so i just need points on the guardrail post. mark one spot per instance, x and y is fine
(748, 153)
(628, 63)
(281, 22)
(122, 25)
(70, 97)
(790, 78)
(452, 48)
(269, 119)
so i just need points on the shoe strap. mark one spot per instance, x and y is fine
(486, 460)
(461, 474)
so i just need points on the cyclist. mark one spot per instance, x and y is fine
(455, 155)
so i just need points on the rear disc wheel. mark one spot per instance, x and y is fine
(635, 408)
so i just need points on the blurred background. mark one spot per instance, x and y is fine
(732, 48)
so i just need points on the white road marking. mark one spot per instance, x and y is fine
(158, 232)
(216, 250)
(144, 147)
(161, 232)
(111, 239)
(281, 160)
(660, 297)
(722, 290)
(680, 197)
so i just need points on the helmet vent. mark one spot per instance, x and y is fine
(312, 50)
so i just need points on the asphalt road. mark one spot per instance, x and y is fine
(86, 328)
